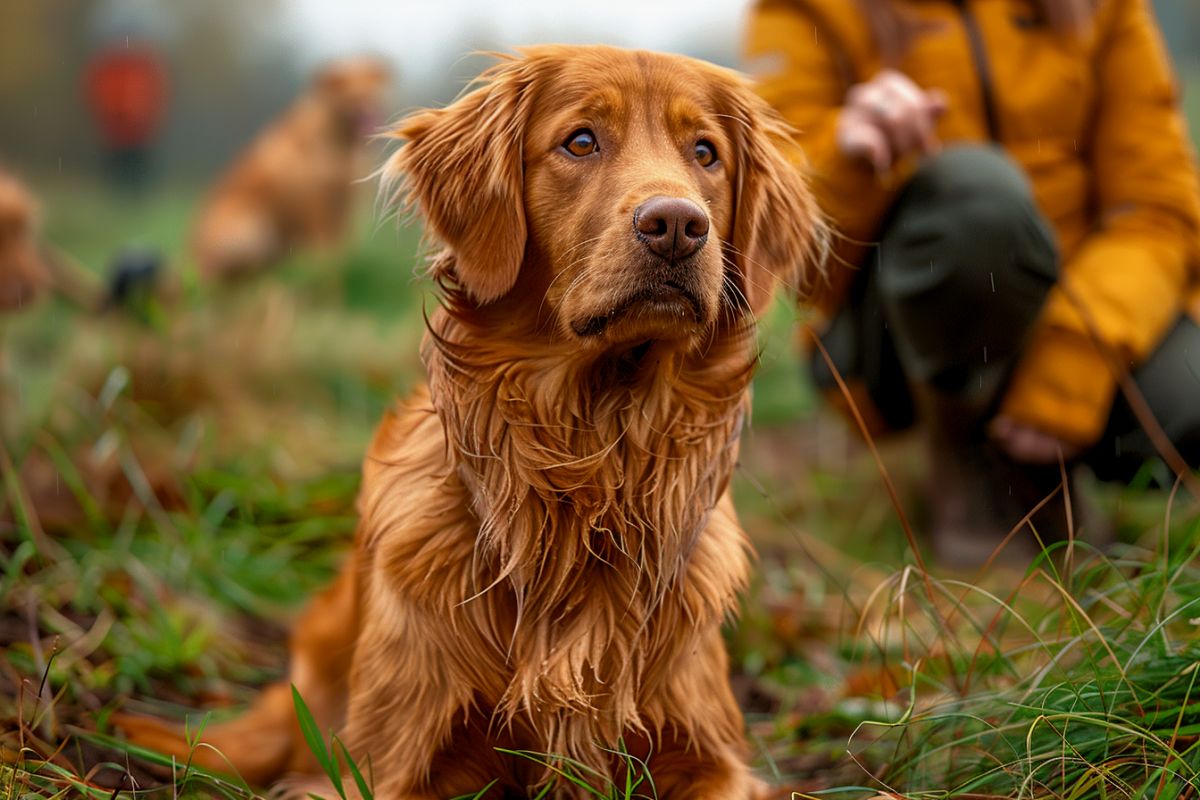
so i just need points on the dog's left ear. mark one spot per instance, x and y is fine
(462, 167)
(779, 234)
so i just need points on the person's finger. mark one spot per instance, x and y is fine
(860, 137)
(1001, 427)
(911, 121)
(877, 149)
(936, 102)
(1029, 445)
(1020, 446)
(1011, 437)
(1036, 447)
(894, 78)
(856, 93)
(921, 110)
(898, 106)
(869, 98)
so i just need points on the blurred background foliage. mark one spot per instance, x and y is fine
(204, 444)
(233, 65)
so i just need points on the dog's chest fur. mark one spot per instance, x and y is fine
(573, 535)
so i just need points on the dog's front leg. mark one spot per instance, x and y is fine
(405, 700)
(702, 753)
(717, 772)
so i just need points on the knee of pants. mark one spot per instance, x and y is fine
(1169, 381)
(967, 172)
(965, 262)
(967, 224)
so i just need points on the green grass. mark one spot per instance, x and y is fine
(195, 471)
(184, 477)
(1064, 685)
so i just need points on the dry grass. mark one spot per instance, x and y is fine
(184, 473)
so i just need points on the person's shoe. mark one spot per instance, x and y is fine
(973, 508)
(982, 503)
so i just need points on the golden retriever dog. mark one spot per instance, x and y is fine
(24, 275)
(547, 546)
(292, 188)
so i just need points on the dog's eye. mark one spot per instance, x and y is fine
(581, 143)
(706, 154)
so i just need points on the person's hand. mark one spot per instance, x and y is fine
(887, 118)
(1026, 444)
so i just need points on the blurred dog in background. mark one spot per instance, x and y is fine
(292, 187)
(24, 274)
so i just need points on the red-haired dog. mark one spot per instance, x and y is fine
(24, 275)
(292, 187)
(548, 546)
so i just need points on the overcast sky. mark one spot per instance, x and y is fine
(423, 36)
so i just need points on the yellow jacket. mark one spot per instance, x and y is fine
(1094, 122)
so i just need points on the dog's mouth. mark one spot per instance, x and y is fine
(667, 304)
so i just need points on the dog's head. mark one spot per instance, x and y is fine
(630, 195)
(354, 89)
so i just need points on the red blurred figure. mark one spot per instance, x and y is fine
(126, 88)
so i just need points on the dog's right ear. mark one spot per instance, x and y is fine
(462, 167)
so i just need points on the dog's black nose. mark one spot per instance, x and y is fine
(672, 227)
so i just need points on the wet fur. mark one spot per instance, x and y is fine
(547, 547)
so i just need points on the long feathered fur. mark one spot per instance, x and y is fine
(548, 546)
(579, 571)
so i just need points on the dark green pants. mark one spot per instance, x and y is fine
(948, 298)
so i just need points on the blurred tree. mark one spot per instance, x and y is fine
(234, 64)
(43, 47)
(230, 70)
(233, 70)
